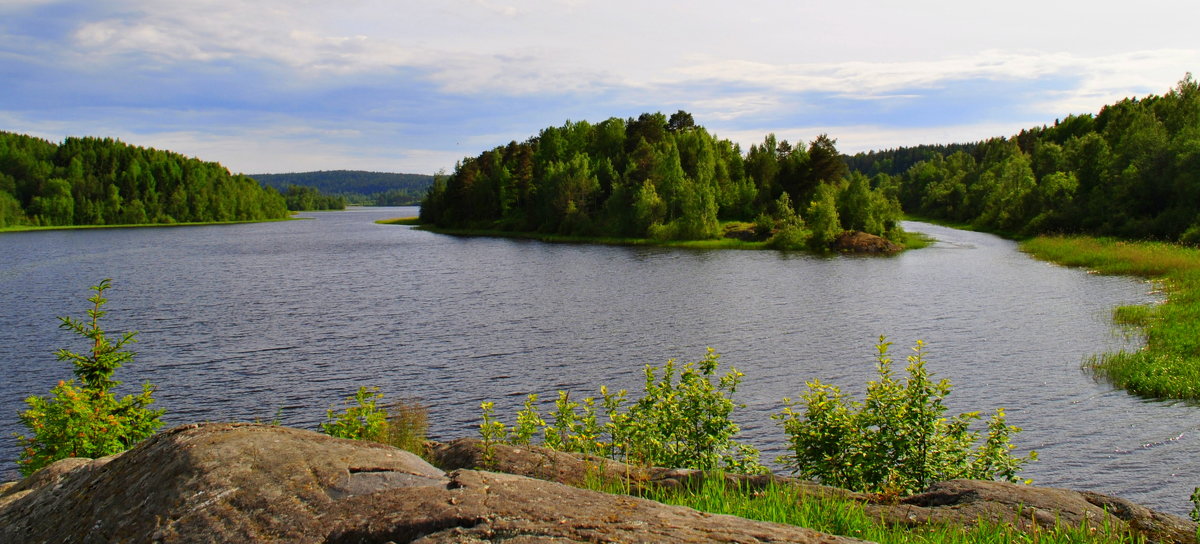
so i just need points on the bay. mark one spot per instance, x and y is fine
(258, 321)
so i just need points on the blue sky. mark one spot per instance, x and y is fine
(296, 85)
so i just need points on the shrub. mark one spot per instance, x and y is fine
(682, 421)
(402, 424)
(898, 440)
(360, 420)
(84, 419)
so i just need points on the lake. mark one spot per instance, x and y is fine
(247, 322)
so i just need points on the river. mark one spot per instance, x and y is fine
(255, 321)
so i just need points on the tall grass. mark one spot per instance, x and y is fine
(1169, 365)
(407, 425)
(780, 503)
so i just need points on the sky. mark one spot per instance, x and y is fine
(273, 86)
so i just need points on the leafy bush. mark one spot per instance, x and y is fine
(401, 424)
(85, 419)
(360, 420)
(682, 420)
(898, 440)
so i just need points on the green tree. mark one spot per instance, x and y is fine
(85, 419)
(823, 218)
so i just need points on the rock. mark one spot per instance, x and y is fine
(576, 470)
(861, 242)
(965, 501)
(252, 483)
(958, 502)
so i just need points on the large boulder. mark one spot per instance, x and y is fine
(262, 483)
(861, 242)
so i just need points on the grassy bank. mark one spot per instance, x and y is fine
(783, 504)
(1169, 365)
(912, 240)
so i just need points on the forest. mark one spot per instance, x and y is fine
(1132, 170)
(300, 198)
(356, 187)
(102, 181)
(661, 178)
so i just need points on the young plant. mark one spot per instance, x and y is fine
(683, 420)
(361, 419)
(84, 419)
(492, 432)
(898, 440)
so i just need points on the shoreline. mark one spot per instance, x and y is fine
(912, 240)
(33, 228)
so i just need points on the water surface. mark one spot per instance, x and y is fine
(244, 322)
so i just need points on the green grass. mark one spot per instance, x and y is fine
(1169, 365)
(26, 228)
(785, 504)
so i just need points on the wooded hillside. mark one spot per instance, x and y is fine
(102, 181)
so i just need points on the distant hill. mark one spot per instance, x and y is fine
(356, 186)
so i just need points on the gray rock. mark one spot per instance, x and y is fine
(261, 483)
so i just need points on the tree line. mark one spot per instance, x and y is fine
(356, 187)
(102, 181)
(662, 178)
(1132, 170)
(302, 198)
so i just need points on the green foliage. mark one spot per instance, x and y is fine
(95, 181)
(682, 420)
(86, 419)
(789, 229)
(823, 219)
(896, 441)
(361, 419)
(402, 424)
(302, 198)
(650, 177)
(1131, 170)
(1195, 513)
(781, 503)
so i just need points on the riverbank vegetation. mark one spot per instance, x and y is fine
(778, 503)
(1169, 364)
(102, 181)
(662, 179)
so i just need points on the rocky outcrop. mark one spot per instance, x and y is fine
(861, 242)
(957, 502)
(966, 501)
(261, 483)
(577, 470)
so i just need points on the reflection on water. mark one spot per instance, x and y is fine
(239, 322)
